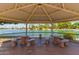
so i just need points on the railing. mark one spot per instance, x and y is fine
(24, 34)
(76, 36)
(47, 34)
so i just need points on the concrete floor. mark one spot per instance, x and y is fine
(72, 49)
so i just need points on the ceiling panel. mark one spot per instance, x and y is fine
(28, 9)
(50, 10)
(72, 6)
(61, 15)
(23, 4)
(56, 4)
(39, 18)
(16, 14)
(39, 12)
(6, 6)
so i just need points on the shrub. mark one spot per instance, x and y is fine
(69, 35)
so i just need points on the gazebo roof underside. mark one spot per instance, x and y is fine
(39, 13)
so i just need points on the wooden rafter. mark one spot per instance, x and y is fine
(46, 13)
(15, 20)
(39, 21)
(23, 11)
(71, 17)
(62, 9)
(9, 19)
(16, 5)
(31, 14)
(16, 9)
(54, 12)
(62, 5)
(65, 20)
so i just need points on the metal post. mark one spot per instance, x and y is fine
(51, 29)
(26, 29)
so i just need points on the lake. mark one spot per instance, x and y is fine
(14, 32)
(35, 33)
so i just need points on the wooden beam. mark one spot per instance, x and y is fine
(46, 13)
(62, 5)
(65, 20)
(8, 19)
(23, 11)
(38, 22)
(36, 15)
(62, 9)
(31, 14)
(54, 12)
(56, 21)
(16, 5)
(16, 9)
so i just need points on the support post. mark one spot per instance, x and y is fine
(26, 29)
(51, 29)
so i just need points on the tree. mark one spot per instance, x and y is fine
(32, 27)
(64, 25)
(46, 26)
(40, 27)
(54, 26)
(75, 25)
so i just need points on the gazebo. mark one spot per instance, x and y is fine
(40, 13)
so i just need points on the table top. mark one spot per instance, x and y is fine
(65, 40)
(31, 39)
